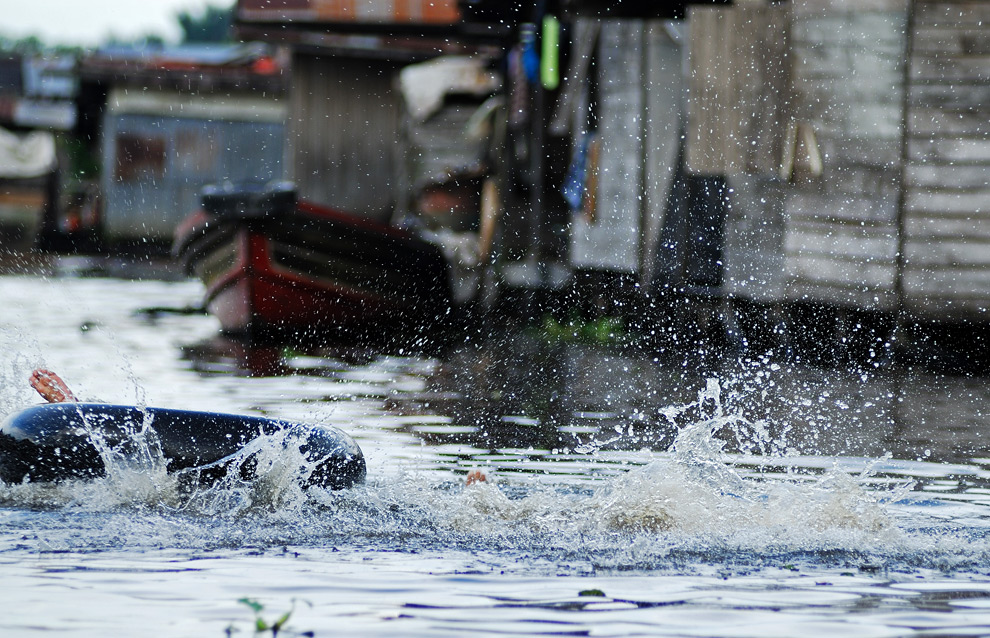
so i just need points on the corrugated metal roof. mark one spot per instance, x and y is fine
(189, 55)
(429, 12)
(247, 108)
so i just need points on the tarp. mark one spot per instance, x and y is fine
(25, 156)
(425, 85)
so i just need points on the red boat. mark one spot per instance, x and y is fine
(272, 264)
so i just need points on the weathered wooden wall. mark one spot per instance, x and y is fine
(343, 125)
(609, 240)
(737, 88)
(947, 173)
(841, 225)
(738, 112)
(664, 126)
(886, 146)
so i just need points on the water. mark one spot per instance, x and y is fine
(628, 493)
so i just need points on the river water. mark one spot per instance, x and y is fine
(629, 492)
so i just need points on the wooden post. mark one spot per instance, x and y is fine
(901, 262)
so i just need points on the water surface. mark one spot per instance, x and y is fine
(630, 492)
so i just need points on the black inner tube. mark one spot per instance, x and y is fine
(54, 442)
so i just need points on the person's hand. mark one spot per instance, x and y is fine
(51, 387)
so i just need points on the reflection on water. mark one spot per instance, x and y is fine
(787, 498)
(520, 389)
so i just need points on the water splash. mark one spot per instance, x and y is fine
(694, 501)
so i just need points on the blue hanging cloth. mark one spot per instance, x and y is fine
(573, 188)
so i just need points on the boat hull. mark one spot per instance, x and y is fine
(310, 269)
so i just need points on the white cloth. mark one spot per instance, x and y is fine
(424, 85)
(30, 155)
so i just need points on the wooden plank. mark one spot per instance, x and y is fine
(949, 150)
(849, 247)
(930, 122)
(768, 88)
(843, 274)
(953, 13)
(951, 39)
(710, 94)
(970, 98)
(862, 152)
(826, 209)
(663, 107)
(818, 29)
(861, 30)
(737, 88)
(818, 7)
(943, 253)
(951, 69)
(932, 228)
(838, 72)
(829, 100)
(974, 203)
(950, 177)
(871, 188)
(853, 284)
(946, 283)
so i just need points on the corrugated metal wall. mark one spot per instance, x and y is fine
(343, 126)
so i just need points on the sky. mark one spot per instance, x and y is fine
(92, 22)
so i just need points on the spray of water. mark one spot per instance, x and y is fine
(697, 488)
(692, 495)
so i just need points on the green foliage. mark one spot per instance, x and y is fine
(34, 46)
(83, 162)
(604, 330)
(260, 624)
(592, 592)
(30, 45)
(211, 25)
(255, 606)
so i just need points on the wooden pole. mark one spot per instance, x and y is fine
(901, 263)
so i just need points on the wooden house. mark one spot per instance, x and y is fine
(37, 96)
(344, 106)
(599, 130)
(170, 121)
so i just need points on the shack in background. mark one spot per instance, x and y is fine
(170, 120)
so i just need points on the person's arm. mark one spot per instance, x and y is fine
(51, 387)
